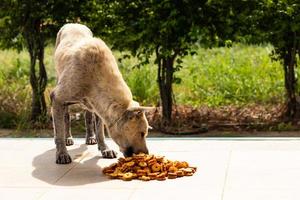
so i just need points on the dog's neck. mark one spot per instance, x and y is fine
(114, 113)
(111, 112)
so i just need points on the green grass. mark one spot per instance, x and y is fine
(142, 81)
(243, 74)
(15, 91)
(239, 75)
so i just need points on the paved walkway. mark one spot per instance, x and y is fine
(228, 169)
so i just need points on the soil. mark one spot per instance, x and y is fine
(48, 133)
(250, 118)
(228, 121)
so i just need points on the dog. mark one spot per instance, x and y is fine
(88, 74)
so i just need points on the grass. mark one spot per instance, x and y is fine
(225, 76)
(142, 81)
(239, 75)
(15, 90)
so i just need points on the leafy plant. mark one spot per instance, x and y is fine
(164, 28)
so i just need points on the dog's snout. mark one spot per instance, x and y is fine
(128, 152)
(146, 152)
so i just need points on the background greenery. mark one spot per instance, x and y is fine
(165, 34)
(237, 75)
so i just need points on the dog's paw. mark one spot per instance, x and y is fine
(91, 140)
(69, 141)
(108, 153)
(63, 158)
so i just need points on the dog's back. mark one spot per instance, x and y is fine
(67, 39)
(84, 64)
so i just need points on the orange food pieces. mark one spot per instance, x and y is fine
(127, 176)
(147, 167)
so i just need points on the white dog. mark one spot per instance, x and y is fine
(87, 74)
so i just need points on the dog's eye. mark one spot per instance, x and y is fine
(143, 134)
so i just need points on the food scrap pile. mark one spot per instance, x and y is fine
(148, 167)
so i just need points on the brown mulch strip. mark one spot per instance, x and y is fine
(189, 120)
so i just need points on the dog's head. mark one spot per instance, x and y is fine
(131, 130)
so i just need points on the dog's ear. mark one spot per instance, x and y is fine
(141, 108)
(137, 111)
(134, 114)
(134, 104)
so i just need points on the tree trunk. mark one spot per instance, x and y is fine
(43, 79)
(38, 106)
(165, 79)
(289, 62)
(36, 46)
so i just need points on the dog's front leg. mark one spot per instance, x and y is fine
(102, 146)
(67, 121)
(90, 138)
(58, 112)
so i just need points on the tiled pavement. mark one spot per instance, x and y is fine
(228, 169)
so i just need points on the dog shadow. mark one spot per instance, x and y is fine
(81, 171)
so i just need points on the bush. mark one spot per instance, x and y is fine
(140, 79)
(241, 74)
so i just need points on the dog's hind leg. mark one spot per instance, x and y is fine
(67, 121)
(90, 138)
(102, 146)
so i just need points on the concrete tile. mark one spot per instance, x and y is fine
(211, 181)
(36, 155)
(268, 144)
(87, 193)
(21, 193)
(261, 194)
(93, 178)
(179, 193)
(177, 145)
(259, 178)
(19, 144)
(94, 159)
(210, 175)
(20, 177)
(211, 170)
(204, 158)
(266, 159)
(263, 170)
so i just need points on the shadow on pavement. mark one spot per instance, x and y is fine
(75, 173)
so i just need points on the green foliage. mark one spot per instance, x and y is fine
(39, 18)
(15, 98)
(255, 21)
(141, 80)
(166, 28)
(14, 89)
(225, 76)
(31, 24)
(159, 33)
(270, 21)
(144, 26)
(219, 76)
(279, 24)
(283, 127)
